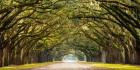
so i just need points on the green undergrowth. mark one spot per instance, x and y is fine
(25, 66)
(115, 66)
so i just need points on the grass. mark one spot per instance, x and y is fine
(25, 66)
(115, 66)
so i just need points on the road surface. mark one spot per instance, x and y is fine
(67, 66)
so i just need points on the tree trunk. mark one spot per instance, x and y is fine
(137, 49)
(137, 55)
(126, 52)
(1, 56)
(103, 58)
(6, 55)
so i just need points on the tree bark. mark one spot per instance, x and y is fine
(1, 56)
(126, 52)
(137, 55)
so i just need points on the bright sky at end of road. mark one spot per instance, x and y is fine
(70, 58)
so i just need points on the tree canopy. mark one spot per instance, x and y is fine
(104, 30)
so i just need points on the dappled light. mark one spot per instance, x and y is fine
(70, 32)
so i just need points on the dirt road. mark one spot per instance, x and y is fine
(65, 66)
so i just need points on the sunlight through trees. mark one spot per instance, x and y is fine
(103, 30)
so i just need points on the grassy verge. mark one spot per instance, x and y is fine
(115, 66)
(25, 66)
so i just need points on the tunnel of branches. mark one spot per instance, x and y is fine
(32, 31)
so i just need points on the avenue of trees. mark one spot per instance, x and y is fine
(114, 26)
(104, 30)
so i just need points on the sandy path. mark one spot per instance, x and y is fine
(67, 66)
